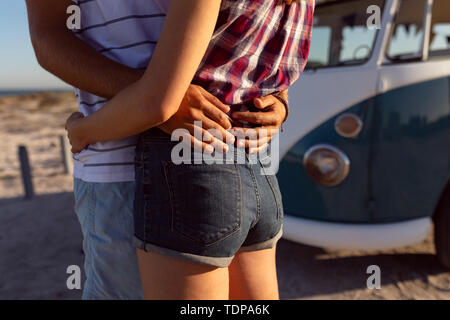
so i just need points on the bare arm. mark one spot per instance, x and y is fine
(154, 98)
(61, 53)
(64, 55)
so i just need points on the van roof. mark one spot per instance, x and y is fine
(439, 16)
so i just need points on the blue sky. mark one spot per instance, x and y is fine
(20, 70)
(18, 66)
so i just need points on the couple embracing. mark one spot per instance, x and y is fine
(154, 227)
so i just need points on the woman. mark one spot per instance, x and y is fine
(206, 231)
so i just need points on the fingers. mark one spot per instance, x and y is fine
(223, 134)
(216, 114)
(264, 102)
(250, 144)
(75, 148)
(268, 118)
(209, 105)
(211, 139)
(258, 149)
(76, 115)
(274, 114)
(255, 133)
(211, 142)
(72, 117)
(277, 109)
(254, 140)
(268, 131)
(196, 144)
(214, 100)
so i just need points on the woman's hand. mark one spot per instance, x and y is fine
(75, 136)
(200, 105)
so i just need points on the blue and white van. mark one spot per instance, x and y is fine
(365, 156)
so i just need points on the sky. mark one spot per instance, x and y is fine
(19, 69)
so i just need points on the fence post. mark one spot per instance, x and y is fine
(26, 173)
(66, 154)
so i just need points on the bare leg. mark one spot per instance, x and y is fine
(253, 276)
(166, 278)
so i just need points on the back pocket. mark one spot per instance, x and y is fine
(205, 199)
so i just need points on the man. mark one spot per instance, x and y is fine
(110, 52)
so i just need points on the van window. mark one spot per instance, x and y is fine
(406, 40)
(340, 35)
(440, 29)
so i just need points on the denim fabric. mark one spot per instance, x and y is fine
(203, 213)
(105, 213)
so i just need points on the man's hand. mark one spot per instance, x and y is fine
(270, 120)
(74, 135)
(200, 105)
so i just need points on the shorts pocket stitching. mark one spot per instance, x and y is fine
(258, 198)
(171, 195)
(179, 211)
(277, 200)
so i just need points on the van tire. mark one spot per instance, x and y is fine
(441, 219)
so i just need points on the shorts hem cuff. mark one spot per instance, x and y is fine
(268, 244)
(220, 262)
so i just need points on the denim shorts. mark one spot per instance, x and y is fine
(202, 213)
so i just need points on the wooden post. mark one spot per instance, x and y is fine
(66, 154)
(26, 173)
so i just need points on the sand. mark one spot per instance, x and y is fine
(40, 238)
(35, 121)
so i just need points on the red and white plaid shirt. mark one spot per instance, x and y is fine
(258, 47)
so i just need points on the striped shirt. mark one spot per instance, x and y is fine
(125, 31)
(258, 47)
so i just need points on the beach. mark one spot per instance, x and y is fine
(41, 237)
(35, 121)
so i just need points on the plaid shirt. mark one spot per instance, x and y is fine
(258, 47)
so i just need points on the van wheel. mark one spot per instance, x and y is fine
(441, 220)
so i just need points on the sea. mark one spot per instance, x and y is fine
(4, 93)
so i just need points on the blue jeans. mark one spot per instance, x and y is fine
(203, 213)
(105, 213)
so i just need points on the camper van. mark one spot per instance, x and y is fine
(365, 154)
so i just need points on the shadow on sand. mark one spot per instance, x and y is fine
(40, 238)
(305, 271)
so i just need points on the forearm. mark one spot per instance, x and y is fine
(128, 113)
(64, 55)
(158, 94)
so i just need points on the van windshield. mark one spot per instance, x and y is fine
(341, 35)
